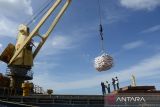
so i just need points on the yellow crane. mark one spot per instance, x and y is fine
(20, 57)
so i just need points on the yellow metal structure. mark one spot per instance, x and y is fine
(7, 54)
(20, 57)
(25, 57)
(28, 38)
(49, 91)
(26, 88)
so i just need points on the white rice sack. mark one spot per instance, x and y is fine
(103, 62)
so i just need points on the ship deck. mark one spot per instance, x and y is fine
(56, 100)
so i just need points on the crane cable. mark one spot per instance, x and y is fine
(43, 9)
(101, 27)
(39, 12)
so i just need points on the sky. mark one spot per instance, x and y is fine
(65, 63)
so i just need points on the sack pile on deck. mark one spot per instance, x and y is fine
(103, 62)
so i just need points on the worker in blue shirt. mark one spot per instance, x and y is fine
(103, 88)
(113, 83)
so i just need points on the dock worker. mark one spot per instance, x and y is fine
(113, 83)
(103, 88)
(108, 86)
(117, 83)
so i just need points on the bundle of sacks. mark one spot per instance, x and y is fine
(103, 62)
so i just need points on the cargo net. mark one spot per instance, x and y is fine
(103, 62)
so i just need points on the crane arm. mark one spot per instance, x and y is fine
(46, 35)
(36, 29)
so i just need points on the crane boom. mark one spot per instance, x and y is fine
(46, 35)
(36, 29)
(20, 57)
